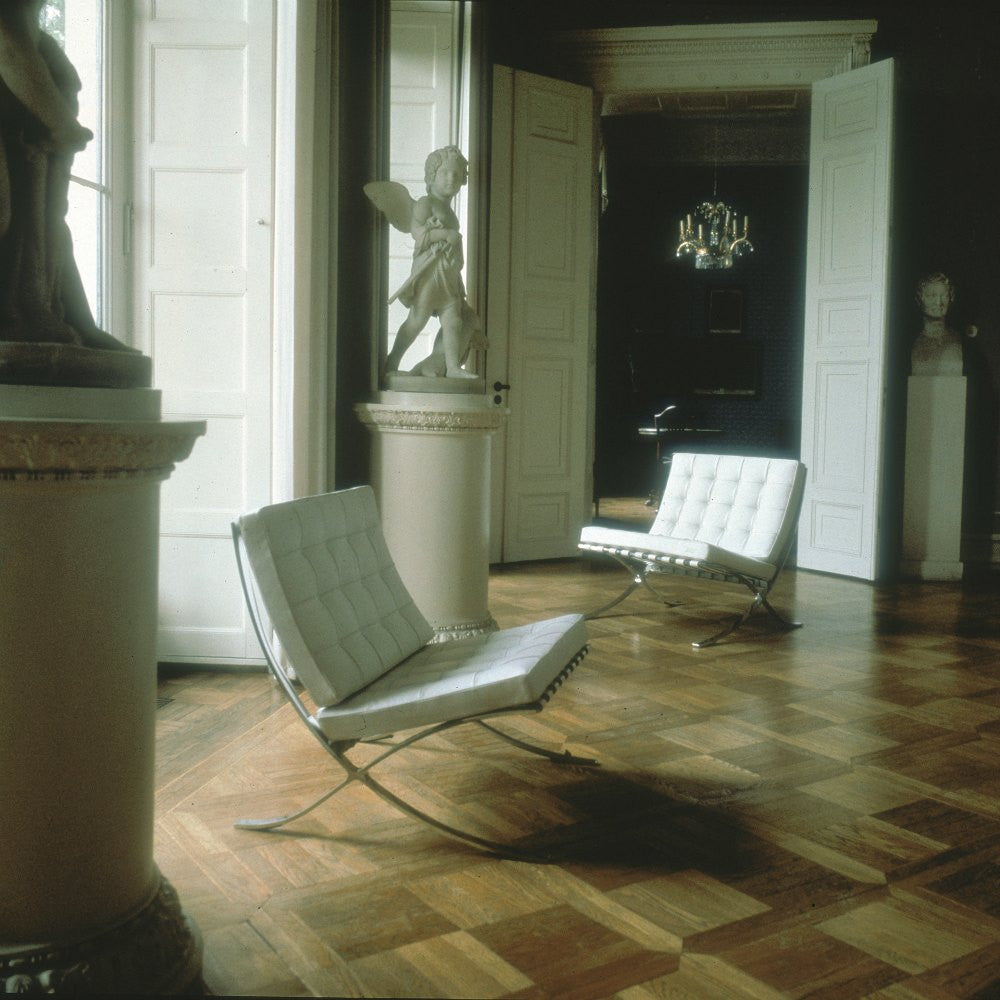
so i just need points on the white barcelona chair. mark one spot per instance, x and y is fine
(321, 571)
(727, 518)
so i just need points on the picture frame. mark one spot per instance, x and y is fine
(725, 310)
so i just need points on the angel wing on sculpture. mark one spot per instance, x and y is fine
(434, 286)
(393, 200)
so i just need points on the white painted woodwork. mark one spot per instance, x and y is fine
(629, 67)
(423, 117)
(844, 357)
(540, 310)
(202, 255)
(305, 285)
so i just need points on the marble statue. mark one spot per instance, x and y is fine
(42, 300)
(434, 287)
(937, 349)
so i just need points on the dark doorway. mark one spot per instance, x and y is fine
(723, 345)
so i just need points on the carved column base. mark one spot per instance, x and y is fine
(155, 952)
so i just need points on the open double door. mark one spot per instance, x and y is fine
(542, 266)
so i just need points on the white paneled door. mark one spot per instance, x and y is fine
(540, 311)
(201, 263)
(850, 177)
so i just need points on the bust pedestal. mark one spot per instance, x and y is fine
(431, 475)
(934, 470)
(84, 908)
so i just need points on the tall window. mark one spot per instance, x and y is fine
(79, 26)
(429, 98)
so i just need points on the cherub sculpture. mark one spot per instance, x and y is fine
(434, 287)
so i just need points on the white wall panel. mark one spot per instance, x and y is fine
(838, 528)
(200, 10)
(842, 409)
(201, 336)
(542, 518)
(202, 275)
(198, 218)
(211, 105)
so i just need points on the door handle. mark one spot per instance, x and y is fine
(498, 387)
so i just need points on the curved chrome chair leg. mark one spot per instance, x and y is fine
(495, 847)
(634, 585)
(787, 622)
(361, 774)
(638, 580)
(559, 758)
(758, 599)
(275, 822)
(658, 595)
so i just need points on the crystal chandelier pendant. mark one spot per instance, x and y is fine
(714, 237)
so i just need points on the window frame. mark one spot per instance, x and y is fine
(112, 183)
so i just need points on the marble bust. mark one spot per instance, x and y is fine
(937, 349)
(434, 287)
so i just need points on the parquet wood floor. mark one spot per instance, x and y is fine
(788, 814)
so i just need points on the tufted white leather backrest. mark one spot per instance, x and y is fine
(744, 505)
(332, 591)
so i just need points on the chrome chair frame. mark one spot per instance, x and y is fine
(362, 773)
(639, 565)
(641, 553)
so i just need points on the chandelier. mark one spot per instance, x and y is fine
(723, 239)
(717, 238)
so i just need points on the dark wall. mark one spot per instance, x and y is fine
(653, 342)
(945, 205)
(359, 259)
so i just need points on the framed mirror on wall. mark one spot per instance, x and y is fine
(725, 310)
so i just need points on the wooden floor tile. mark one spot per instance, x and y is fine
(908, 937)
(787, 814)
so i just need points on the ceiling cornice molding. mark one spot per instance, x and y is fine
(692, 57)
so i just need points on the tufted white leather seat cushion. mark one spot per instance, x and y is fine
(453, 679)
(725, 510)
(336, 601)
(642, 546)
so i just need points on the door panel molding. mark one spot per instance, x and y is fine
(540, 316)
(845, 345)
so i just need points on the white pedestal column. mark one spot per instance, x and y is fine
(431, 475)
(934, 470)
(83, 907)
